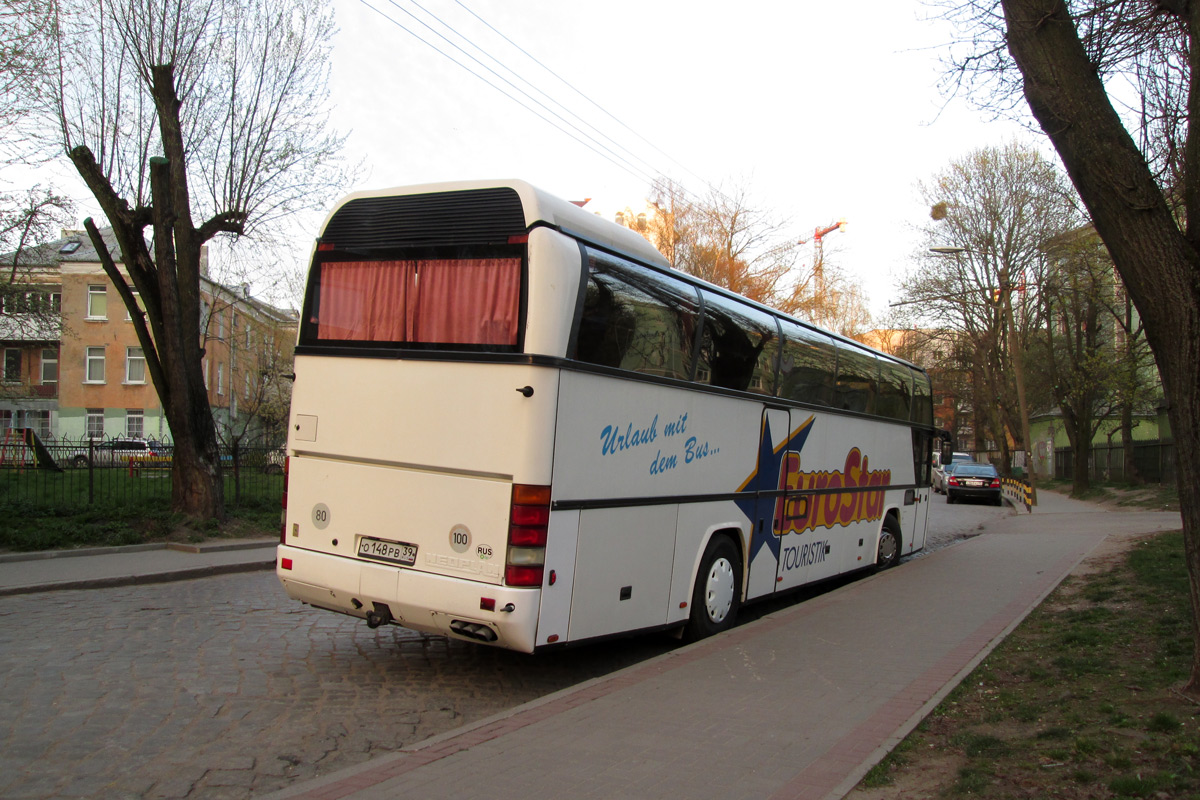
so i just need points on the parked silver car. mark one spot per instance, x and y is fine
(940, 471)
(118, 453)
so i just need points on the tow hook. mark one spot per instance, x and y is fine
(379, 615)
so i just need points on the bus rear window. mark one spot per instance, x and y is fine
(455, 302)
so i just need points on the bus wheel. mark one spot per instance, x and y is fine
(718, 591)
(889, 544)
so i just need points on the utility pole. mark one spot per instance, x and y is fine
(1015, 355)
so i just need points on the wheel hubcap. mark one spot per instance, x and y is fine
(718, 590)
(887, 547)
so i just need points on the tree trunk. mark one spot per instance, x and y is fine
(1083, 476)
(1159, 264)
(1078, 436)
(1129, 470)
(173, 350)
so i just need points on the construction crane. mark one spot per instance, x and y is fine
(819, 235)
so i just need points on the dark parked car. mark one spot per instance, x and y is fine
(974, 480)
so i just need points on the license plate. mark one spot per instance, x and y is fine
(394, 552)
(974, 483)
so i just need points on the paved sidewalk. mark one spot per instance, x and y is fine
(25, 573)
(799, 704)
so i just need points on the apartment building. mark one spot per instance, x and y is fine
(74, 369)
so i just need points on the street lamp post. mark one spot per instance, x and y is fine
(1014, 352)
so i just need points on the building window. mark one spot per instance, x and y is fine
(95, 423)
(135, 365)
(221, 326)
(97, 307)
(135, 423)
(30, 302)
(137, 299)
(49, 365)
(95, 365)
(38, 420)
(247, 335)
(12, 364)
(220, 379)
(206, 373)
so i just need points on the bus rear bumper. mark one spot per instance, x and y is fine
(436, 604)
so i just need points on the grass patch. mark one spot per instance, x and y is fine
(1078, 701)
(26, 524)
(111, 506)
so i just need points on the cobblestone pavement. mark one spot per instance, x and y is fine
(222, 687)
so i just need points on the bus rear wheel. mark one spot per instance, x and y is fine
(888, 554)
(717, 595)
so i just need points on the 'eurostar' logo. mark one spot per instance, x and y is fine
(825, 499)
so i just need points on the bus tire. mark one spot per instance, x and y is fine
(888, 553)
(717, 595)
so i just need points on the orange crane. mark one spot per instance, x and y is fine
(819, 235)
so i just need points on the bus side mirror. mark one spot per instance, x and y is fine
(945, 445)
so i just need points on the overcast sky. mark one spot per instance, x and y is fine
(823, 111)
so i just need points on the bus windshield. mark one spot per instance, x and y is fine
(453, 302)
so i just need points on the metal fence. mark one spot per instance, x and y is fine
(78, 475)
(1153, 460)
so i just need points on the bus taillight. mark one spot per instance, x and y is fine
(529, 519)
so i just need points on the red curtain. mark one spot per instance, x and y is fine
(472, 301)
(469, 301)
(365, 300)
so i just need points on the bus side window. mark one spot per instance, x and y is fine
(808, 369)
(856, 380)
(895, 391)
(922, 443)
(736, 346)
(636, 321)
(922, 409)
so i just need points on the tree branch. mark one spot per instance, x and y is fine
(149, 351)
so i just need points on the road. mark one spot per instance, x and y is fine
(222, 687)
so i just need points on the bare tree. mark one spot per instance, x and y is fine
(190, 120)
(30, 298)
(1136, 168)
(724, 239)
(738, 246)
(982, 261)
(823, 294)
(25, 59)
(1077, 354)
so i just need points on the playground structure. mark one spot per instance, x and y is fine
(22, 448)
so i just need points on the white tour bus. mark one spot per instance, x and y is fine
(514, 424)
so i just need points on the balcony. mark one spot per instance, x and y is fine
(15, 390)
